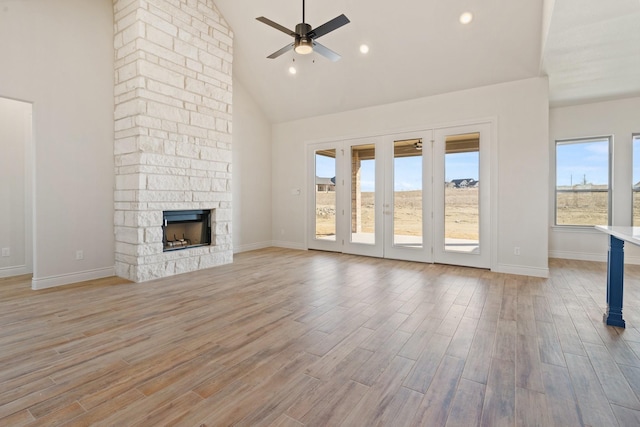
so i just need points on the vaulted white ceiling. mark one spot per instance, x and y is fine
(593, 50)
(419, 48)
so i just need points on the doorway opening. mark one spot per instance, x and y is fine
(16, 209)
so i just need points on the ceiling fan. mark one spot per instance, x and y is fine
(305, 36)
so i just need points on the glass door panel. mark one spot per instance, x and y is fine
(461, 195)
(407, 193)
(364, 178)
(407, 196)
(325, 194)
(363, 190)
(462, 188)
(324, 203)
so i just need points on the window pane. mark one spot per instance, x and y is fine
(636, 180)
(461, 193)
(582, 182)
(407, 193)
(363, 187)
(326, 194)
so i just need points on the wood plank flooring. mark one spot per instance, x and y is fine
(292, 338)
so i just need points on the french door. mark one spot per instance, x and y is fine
(462, 205)
(412, 196)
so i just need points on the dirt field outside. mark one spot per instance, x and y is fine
(461, 214)
(582, 208)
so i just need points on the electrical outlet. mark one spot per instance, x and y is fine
(6, 251)
(516, 250)
(79, 254)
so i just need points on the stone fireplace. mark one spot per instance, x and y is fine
(173, 92)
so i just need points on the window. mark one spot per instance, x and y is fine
(635, 185)
(583, 176)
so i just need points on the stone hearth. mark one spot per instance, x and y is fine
(173, 93)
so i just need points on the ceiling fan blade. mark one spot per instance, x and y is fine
(275, 25)
(327, 27)
(277, 53)
(325, 51)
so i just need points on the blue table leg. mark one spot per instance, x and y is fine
(615, 275)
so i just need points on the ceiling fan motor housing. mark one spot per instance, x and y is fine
(303, 29)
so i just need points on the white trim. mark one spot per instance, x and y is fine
(579, 256)
(405, 129)
(634, 260)
(588, 256)
(288, 245)
(14, 270)
(252, 246)
(522, 271)
(494, 186)
(67, 279)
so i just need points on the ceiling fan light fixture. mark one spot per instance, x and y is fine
(304, 46)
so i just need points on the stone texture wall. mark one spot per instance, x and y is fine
(173, 93)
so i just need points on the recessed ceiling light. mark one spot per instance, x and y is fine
(292, 70)
(466, 17)
(364, 48)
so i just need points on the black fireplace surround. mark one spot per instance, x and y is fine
(185, 229)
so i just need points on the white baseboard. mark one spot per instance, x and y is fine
(288, 245)
(579, 256)
(586, 256)
(67, 279)
(16, 270)
(269, 244)
(252, 247)
(521, 271)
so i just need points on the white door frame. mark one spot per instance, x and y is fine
(391, 250)
(482, 257)
(334, 245)
(375, 248)
(489, 174)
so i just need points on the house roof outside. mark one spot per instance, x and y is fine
(326, 181)
(465, 183)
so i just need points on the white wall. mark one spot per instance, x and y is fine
(521, 201)
(59, 55)
(251, 182)
(620, 118)
(15, 187)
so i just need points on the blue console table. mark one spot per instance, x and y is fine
(615, 269)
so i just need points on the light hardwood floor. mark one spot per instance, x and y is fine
(290, 338)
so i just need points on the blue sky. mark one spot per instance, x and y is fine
(408, 170)
(584, 161)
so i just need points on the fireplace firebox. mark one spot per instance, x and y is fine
(186, 229)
